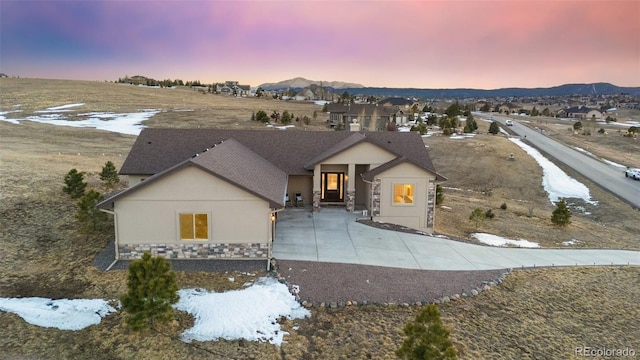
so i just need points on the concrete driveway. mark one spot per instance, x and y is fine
(333, 235)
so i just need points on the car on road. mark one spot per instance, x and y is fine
(509, 122)
(632, 173)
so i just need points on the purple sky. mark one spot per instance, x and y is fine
(423, 44)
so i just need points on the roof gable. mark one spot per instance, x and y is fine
(235, 164)
(371, 174)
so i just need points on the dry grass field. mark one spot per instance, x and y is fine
(541, 313)
(482, 176)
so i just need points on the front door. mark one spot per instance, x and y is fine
(332, 187)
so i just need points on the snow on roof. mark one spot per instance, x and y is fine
(556, 182)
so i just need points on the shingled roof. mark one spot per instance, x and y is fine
(156, 150)
(234, 163)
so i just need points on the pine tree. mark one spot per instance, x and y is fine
(152, 290)
(75, 184)
(477, 216)
(286, 118)
(561, 216)
(109, 174)
(87, 212)
(494, 128)
(426, 338)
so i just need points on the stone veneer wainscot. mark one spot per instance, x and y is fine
(196, 251)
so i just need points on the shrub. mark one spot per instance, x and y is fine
(75, 183)
(561, 216)
(152, 290)
(109, 174)
(262, 116)
(577, 126)
(426, 337)
(601, 131)
(439, 195)
(489, 214)
(503, 206)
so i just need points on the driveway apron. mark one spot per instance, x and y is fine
(333, 235)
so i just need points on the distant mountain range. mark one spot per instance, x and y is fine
(299, 83)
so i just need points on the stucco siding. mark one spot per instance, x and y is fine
(412, 215)
(134, 179)
(300, 184)
(362, 153)
(150, 215)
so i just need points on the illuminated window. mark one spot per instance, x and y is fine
(194, 226)
(332, 181)
(403, 193)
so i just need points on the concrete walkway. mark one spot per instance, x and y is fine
(333, 235)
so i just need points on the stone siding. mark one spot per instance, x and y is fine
(377, 185)
(196, 251)
(431, 203)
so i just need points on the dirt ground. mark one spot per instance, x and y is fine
(541, 313)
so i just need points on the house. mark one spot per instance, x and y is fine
(507, 108)
(581, 113)
(215, 194)
(233, 88)
(397, 102)
(369, 116)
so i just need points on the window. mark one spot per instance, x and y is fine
(194, 226)
(402, 194)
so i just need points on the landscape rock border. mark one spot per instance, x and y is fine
(302, 286)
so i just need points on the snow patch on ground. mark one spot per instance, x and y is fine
(570, 242)
(284, 127)
(555, 181)
(249, 314)
(63, 314)
(495, 240)
(584, 151)
(465, 136)
(125, 123)
(614, 163)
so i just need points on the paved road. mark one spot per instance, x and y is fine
(610, 178)
(333, 235)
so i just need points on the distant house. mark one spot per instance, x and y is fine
(215, 194)
(233, 88)
(581, 113)
(507, 108)
(398, 102)
(369, 116)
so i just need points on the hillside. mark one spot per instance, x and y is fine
(299, 83)
(561, 90)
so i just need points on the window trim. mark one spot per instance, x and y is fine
(193, 214)
(404, 186)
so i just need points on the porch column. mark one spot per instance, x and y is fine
(351, 187)
(317, 185)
